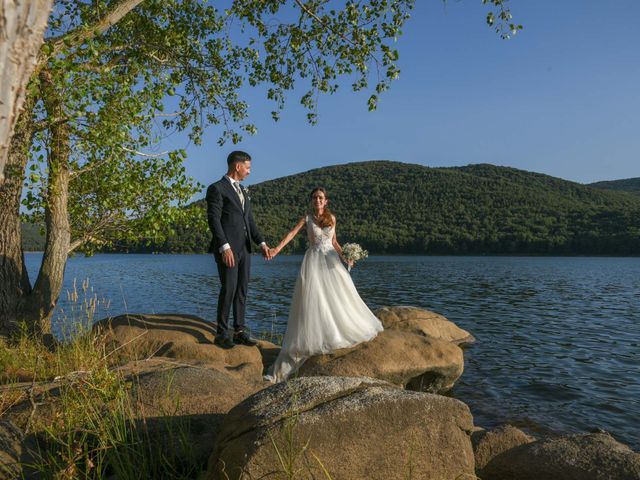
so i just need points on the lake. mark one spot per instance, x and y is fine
(557, 338)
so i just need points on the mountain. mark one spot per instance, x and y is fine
(391, 207)
(32, 238)
(631, 185)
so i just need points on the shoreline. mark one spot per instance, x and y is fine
(375, 255)
(165, 361)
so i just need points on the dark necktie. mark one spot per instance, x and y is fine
(236, 185)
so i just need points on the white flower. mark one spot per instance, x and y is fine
(354, 252)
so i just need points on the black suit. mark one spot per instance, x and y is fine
(231, 224)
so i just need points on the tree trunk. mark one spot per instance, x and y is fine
(43, 298)
(22, 26)
(14, 280)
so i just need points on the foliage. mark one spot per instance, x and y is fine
(391, 207)
(631, 185)
(501, 19)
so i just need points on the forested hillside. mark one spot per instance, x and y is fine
(627, 185)
(392, 207)
(32, 238)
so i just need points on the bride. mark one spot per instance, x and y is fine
(326, 311)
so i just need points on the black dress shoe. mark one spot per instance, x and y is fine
(223, 342)
(243, 338)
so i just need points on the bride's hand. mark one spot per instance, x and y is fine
(273, 252)
(350, 263)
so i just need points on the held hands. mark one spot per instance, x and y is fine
(267, 252)
(274, 252)
(229, 259)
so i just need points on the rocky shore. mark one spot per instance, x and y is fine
(373, 411)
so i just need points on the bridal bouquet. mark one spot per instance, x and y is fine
(353, 252)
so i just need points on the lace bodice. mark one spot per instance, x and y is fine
(319, 238)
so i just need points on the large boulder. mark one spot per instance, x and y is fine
(350, 428)
(416, 362)
(15, 452)
(183, 405)
(21, 412)
(163, 388)
(489, 444)
(422, 322)
(594, 456)
(181, 337)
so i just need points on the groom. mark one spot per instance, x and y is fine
(231, 222)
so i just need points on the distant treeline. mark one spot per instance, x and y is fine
(391, 207)
(627, 185)
(32, 238)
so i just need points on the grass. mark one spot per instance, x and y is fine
(25, 358)
(290, 452)
(88, 426)
(272, 335)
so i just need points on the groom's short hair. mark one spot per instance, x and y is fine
(238, 156)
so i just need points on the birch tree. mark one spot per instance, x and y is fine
(22, 26)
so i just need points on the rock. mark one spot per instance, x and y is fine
(593, 456)
(182, 337)
(15, 452)
(177, 389)
(487, 445)
(422, 322)
(183, 405)
(179, 405)
(355, 428)
(417, 362)
(45, 395)
(269, 352)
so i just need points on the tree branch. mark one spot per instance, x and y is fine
(142, 154)
(305, 9)
(89, 167)
(93, 234)
(80, 35)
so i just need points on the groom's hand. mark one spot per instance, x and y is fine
(266, 252)
(228, 259)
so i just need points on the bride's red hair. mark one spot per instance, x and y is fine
(326, 219)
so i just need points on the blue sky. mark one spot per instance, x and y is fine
(560, 98)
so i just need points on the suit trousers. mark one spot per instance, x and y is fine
(234, 283)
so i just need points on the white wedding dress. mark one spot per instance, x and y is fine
(326, 311)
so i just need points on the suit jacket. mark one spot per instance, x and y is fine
(227, 220)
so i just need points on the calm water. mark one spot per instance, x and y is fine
(558, 338)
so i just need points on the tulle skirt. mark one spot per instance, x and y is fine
(326, 313)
